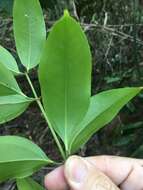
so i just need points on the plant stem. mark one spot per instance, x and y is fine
(45, 116)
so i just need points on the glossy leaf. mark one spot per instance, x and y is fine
(103, 108)
(12, 106)
(28, 184)
(12, 101)
(29, 31)
(8, 84)
(65, 76)
(19, 158)
(8, 60)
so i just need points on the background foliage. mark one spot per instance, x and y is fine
(115, 33)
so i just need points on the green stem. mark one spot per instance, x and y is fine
(45, 116)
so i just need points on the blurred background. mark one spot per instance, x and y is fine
(115, 33)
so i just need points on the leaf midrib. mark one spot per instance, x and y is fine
(15, 103)
(12, 88)
(66, 85)
(22, 160)
(29, 39)
(18, 173)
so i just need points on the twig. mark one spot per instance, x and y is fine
(74, 10)
(111, 30)
(107, 52)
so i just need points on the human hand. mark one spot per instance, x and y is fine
(97, 173)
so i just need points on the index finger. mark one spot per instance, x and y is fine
(116, 168)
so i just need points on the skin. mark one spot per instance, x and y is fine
(97, 173)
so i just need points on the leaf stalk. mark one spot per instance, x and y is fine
(46, 118)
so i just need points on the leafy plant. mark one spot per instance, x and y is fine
(65, 78)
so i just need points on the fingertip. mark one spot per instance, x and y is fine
(82, 174)
(56, 180)
(76, 171)
(74, 168)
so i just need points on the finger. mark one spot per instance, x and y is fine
(56, 180)
(120, 170)
(81, 174)
(134, 179)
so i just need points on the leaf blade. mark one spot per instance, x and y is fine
(23, 158)
(62, 59)
(12, 106)
(103, 108)
(31, 35)
(8, 84)
(28, 184)
(8, 60)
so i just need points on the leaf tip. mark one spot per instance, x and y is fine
(66, 13)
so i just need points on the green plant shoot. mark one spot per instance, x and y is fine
(64, 72)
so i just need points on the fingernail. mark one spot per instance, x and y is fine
(76, 169)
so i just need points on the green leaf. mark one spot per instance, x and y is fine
(8, 84)
(8, 60)
(103, 108)
(65, 76)
(19, 158)
(28, 184)
(12, 100)
(29, 31)
(12, 106)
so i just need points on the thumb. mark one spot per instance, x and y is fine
(81, 174)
